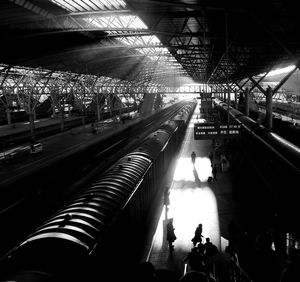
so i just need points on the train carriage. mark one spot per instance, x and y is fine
(106, 217)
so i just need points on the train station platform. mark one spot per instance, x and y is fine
(194, 200)
(55, 146)
(33, 185)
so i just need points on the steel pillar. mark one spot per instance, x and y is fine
(148, 103)
(269, 113)
(247, 102)
(235, 99)
(228, 105)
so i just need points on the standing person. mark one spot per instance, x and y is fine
(193, 157)
(211, 156)
(214, 172)
(198, 234)
(210, 251)
(171, 237)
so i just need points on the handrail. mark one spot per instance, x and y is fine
(238, 274)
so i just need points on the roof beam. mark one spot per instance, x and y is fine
(186, 5)
(126, 12)
(100, 13)
(250, 77)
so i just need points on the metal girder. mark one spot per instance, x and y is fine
(220, 60)
(6, 69)
(126, 32)
(192, 6)
(99, 13)
(237, 84)
(48, 19)
(260, 80)
(249, 76)
(276, 39)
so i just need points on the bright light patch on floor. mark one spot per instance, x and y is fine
(185, 171)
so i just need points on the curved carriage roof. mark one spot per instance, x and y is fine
(85, 219)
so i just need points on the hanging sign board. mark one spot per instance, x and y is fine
(203, 131)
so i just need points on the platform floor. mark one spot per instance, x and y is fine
(54, 146)
(193, 201)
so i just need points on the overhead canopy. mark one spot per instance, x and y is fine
(166, 42)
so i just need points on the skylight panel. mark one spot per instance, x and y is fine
(99, 5)
(65, 5)
(117, 22)
(78, 7)
(119, 25)
(112, 3)
(93, 6)
(85, 5)
(90, 5)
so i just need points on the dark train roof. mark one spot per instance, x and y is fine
(210, 41)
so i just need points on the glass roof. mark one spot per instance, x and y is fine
(90, 5)
(116, 22)
(121, 25)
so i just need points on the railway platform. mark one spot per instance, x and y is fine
(195, 200)
(29, 181)
(55, 147)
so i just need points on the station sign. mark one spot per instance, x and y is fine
(203, 131)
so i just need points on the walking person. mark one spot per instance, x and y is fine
(198, 235)
(171, 237)
(193, 157)
(214, 172)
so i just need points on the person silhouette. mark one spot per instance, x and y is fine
(198, 235)
(193, 157)
(171, 237)
(211, 156)
(214, 172)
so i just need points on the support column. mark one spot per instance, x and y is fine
(62, 118)
(147, 105)
(98, 108)
(32, 127)
(235, 99)
(247, 101)
(269, 111)
(8, 116)
(228, 104)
